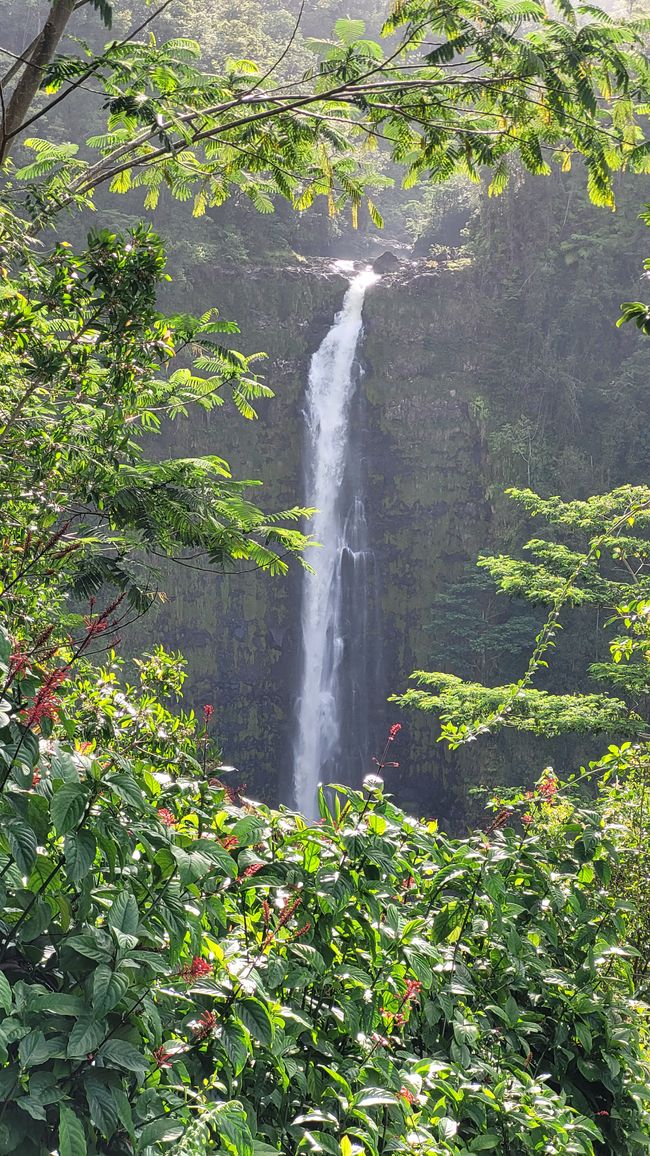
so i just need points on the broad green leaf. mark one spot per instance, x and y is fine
(33, 1108)
(121, 1054)
(123, 914)
(86, 1035)
(101, 1102)
(108, 988)
(88, 946)
(79, 851)
(67, 807)
(255, 1019)
(22, 841)
(33, 1050)
(235, 1042)
(127, 789)
(447, 1127)
(5, 993)
(232, 1125)
(163, 1131)
(60, 1004)
(5, 647)
(72, 1138)
(373, 1097)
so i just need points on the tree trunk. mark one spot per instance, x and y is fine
(17, 108)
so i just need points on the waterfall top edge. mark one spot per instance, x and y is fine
(362, 275)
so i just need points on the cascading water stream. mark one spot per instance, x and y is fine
(335, 613)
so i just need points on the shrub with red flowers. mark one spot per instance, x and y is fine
(171, 951)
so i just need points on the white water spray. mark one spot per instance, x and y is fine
(330, 390)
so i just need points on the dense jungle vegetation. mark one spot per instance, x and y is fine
(183, 969)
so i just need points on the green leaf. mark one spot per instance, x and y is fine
(256, 1019)
(67, 806)
(60, 1004)
(349, 30)
(127, 789)
(33, 1050)
(72, 1138)
(88, 946)
(86, 1035)
(232, 1125)
(79, 850)
(373, 1097)
(33, 1108)
(101, 1102)
(161, 1131)
(235, 1042)
(5, 993)
(5, 647)
(219, 857)
(448, 1127)
(123, 1055)
(123, 914)
(22, 841)
(108, 989)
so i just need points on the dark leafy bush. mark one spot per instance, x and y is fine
(183, 971)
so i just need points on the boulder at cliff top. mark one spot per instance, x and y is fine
(386, 263)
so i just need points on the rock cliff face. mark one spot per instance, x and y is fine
(471, 382)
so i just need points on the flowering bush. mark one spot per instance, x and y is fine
(238, 981)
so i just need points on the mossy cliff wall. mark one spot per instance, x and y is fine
(503, 367)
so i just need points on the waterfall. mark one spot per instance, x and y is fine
(336, 615)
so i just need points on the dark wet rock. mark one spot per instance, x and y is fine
(386, 263)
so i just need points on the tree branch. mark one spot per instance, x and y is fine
(23, 95)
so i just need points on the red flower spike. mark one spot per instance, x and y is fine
(205, 1026)
(95, 625)
(252, 870)
(162, 1057)
(208, 711)
(548, 786)
(18, 661)
(407, 1095)
(288, 910)
(196, 969)
(394, 731)
(46, 703)
(413, 989)
(167, 817)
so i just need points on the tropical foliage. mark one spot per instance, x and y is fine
(86, 370)
(181, 971)
(449, 91)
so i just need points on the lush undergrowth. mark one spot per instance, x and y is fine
(183, 970)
